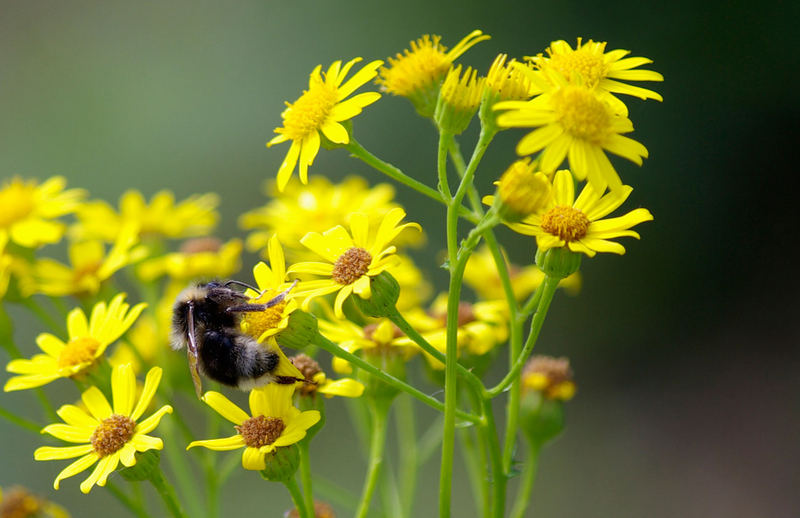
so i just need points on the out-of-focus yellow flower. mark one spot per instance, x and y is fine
(142, 343)
(551, 376)
(5, 265)
(194, 216)
(573, 122)
(353, 258)
(111, 434)
(89, 266)
(344, 387)
(577, 224)
(321, 110)
(590, 64)
(417, 73)
(88, 340)
(28, 211)
(415, 290)
(18, 502)
(481, 275)
(459, 98)
(274, 423)
(316, 207)
(197, 259)
(271, 282)
(381, 335)
(521, 190)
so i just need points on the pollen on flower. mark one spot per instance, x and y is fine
(257, 322)
(415, 69)
(351, 265)
(112, 434)
(78, 351)
(16, 199)
(260, 430)
(309, 368)
(588, 65)
(307, 114)
(582, 114)
(567, 223)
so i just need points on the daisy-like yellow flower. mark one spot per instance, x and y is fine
(162, 216)
(89, 266)
(18, 502)
(199, 258)
(88, 340)
(459, 98)
(274, 423)
(379, 337)
(28, 210)
(345, 387)
(481, 275)
(111, 434)
(271, 281)
(551, 376)
(414, 287)
(417, 73)
(591, 64)
(353, 258)
(577, 224)
(321, 109)
(573, 122)
(316, 207)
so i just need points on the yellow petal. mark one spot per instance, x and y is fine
(226, 444)
(102, 466)
(75, 468)
(77, 325)
(97, 403)
(149, 424)
(225, 407)
(54, 453)
(344, 387)
(150, 386)
(69, 433)
(253, 459)
(123, 389)
(75, 416)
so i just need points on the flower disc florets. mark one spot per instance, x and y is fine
(351, 265)
(112, 434)
(260, 431)
(567, 223)
(582, 114)
(79, 350)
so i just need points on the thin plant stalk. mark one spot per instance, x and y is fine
(523, 498)
(380, 411)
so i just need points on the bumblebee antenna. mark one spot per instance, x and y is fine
(252, 308)
(240, 283)
(191, 352)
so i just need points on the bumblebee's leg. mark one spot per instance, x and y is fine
(252, 308)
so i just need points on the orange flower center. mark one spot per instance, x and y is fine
(582, 114)
(581, 62)
(78, 351)
(309, 112)
(351, 265)
(260, 431)
(568, 223)
(16, 202)
(112, 434)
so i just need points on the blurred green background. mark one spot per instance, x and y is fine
(685, 350)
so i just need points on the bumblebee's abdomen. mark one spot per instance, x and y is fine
(231, 357)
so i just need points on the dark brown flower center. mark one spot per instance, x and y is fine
(568, 223)
(260, 430)
(351, 265)
(112, 434)
(308, 368)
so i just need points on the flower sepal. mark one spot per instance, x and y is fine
(147, 463)
(281, 464)
(385, 291)
(541, 419)
(558, 262)
(312, 402)
(300, 331)
(327, 143)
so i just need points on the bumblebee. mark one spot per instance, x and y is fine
(206, 320)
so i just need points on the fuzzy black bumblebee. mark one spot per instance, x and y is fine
(206, 320)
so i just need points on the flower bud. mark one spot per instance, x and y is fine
(282, 463)
(385, 292)
(300, 331)
(558, 262)
(521, 191)
(147, 463)
(458, 100)
(546, 384)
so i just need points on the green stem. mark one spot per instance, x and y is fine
(20, 421)
(335, 493)
(297, 498)
(430, 441)
(167, 493)
(178, 462)
(441, 166)
(526, 483)
(305, 472)
(390, 496)
(530, 304)
(380, 410)
(396, 174)
(499, 479)
(129, 503)
(548, 288)
(327, 345)
(474, 453)
(407, 442)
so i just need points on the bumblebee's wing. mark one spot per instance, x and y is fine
(191, 353)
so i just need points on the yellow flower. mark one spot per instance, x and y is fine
(481, 275)
(18, 502)
(551, 376)
(321, 109)
(274, 423)
(197, 259)
(28, 210)
(194, 216)
(574, 123)
(591, 64)
(141, 345)
(5, 265)
(271, 281)
(414, 288)
(507, 82)
(577, 224)
(88, 341)
(310, 369)
(111, 434)
(90, 266)
(521, 190)
(316, 207)
(459, 98)
(353, 258)
(417, 73)
(379, 336)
